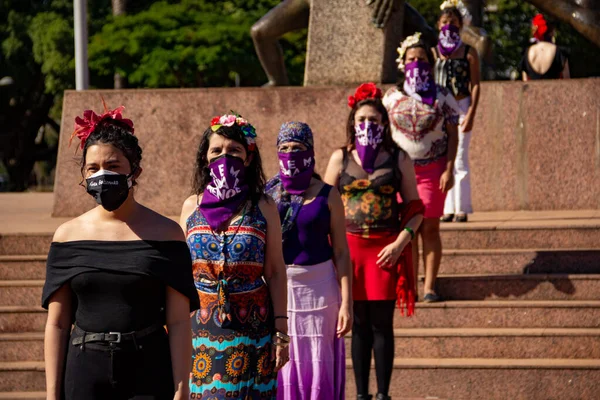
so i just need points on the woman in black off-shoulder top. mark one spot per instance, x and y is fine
(116, 276)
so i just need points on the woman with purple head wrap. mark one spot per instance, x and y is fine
(318, 269)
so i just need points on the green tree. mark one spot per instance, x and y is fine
(189, 43)
(34, 42)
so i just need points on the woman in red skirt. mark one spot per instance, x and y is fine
(372, 173)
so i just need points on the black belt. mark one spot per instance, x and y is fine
(113, 337)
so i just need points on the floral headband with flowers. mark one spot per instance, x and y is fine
(86, 125)
(408, 42)
(234, 119)
(460, 6)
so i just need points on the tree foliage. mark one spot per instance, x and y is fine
(190, 43)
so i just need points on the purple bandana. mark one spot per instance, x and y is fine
(419, 83)
(449, 40)
(296, 170)
(226, 191)
(369, 136)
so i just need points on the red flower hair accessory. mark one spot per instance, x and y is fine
(86, 125)
(363, 92)
(541, 27)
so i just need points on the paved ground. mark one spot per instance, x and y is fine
(31, 213)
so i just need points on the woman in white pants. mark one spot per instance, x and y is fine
(457, 69)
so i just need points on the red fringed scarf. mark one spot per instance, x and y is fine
(405, 288)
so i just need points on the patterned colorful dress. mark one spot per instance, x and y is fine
(231, 332)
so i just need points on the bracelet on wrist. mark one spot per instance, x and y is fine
(282, 337)
(409, 230)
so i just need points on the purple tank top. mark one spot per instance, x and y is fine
(307, 243)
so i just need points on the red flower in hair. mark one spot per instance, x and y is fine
(86, 125)
(363, 92)
(214, 121)
(541, 27)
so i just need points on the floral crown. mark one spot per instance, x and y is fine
(234, 119)
(363, 92)
(460, 6)
(408, 42)
(86, 125)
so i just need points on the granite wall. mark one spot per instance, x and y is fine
(535, 146)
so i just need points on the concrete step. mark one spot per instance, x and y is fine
(489, 379)
(575, 343)
(454, 379)
(22, 395)
(503, 314)
(450, 287)
(522, 287)
(22, 376)
(495, 343)
(494, 261)
(532, 233)
(521, 261)
(14, 244)
(22, 267)
(22, 346)
(14, 319)
(21, 293)
(561, 234)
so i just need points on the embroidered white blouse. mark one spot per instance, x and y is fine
(418, 128)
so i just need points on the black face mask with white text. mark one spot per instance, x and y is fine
(110, 189)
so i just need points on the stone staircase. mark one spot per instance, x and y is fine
(521, 320)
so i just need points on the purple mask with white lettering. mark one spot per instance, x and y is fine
(449, 40)
(368, 139)
(418, 82)
(296, 170)
(226, 191)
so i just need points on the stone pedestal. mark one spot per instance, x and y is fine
(345, 48)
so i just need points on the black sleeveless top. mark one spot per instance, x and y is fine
(370, 200)
(454, 74)
(556, 68)
(119, 286)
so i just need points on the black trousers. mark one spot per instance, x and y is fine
(373, 331)
(140, 371)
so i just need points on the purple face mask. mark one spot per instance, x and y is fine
(369, 136)
(226, 192)
(419, 83)
(296, 170)
(449, 40)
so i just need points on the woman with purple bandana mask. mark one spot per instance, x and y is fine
(424, 121)
(318, 270)
(371, 172)
(457, 69)
(239, 334)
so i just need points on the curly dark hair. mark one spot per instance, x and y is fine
(452, 11)
(388, 142)
(255, 176)
(119, 135)
(422, 44)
